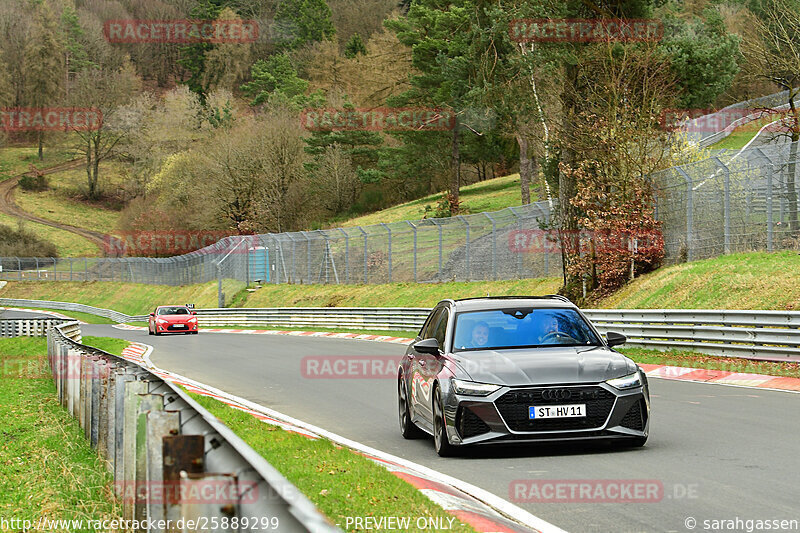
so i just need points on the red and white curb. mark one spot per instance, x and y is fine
(722, 377)
(678, 373)
(353, 336)
(484, 511)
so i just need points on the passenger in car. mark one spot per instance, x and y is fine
(480, 334)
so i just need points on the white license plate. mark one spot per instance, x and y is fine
(557, 411)
(179, 325)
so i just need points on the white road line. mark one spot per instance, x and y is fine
(499, 504)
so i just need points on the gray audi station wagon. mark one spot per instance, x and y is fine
(517, 370)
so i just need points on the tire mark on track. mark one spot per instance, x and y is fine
(10, 207)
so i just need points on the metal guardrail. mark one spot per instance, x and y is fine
(34, 327)
(171, 459)
(765, 335)
(386, 318)
(69, 306)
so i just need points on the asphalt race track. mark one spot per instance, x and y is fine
(721, 452)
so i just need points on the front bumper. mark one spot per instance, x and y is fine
(502, 417)
(176, 327)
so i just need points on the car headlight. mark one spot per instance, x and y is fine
(161, 321)
(628, 382)
(470, 388)
(193, 320)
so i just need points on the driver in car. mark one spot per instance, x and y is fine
(550, 330)
(480, 335)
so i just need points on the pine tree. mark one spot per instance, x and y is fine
(43, 56)
(302, 22)
(354, 47)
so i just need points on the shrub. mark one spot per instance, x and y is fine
(23, 243)
(35, 183)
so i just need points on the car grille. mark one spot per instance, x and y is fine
(514, 405)
(174, 327)
(634, 418)
(469, 424)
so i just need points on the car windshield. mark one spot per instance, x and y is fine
(521, 328)
(173, 311)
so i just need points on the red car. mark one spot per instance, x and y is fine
(172, 319)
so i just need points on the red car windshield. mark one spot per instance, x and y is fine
(173, 311)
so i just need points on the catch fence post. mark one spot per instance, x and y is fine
(466, 255)
(726, 204)
(689, 213)
(366, 254)
(389, 232)
(414, 228)
(494, 245)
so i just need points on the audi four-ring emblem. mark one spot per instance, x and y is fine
(556, 394)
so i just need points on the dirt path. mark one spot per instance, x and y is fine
(9, 207)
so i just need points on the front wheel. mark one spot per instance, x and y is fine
(440, 440)
(408, 428)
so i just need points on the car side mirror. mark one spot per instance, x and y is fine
(194, 312)
(428, 346)
(152, 314)
(615, 339)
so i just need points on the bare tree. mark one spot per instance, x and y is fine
(774, 55)
(335, 180)
(228, 64)
(106, 92)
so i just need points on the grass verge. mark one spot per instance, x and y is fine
(47, 468)
(736, 140)
(107, 344)
(84, 317)
(67, 243)
(57, 206)
(128, 298)
(340, 482)
(711, 362)
(757, 280)
(393, 294)
(489, 195)
(137, 299)
(15, 160)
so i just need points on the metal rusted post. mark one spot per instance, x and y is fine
(182, 453)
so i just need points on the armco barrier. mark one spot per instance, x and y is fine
(377, 318)
(34, 327)
(69, 306)
(171, 459)
(765, 335)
